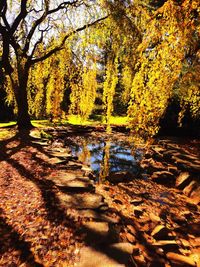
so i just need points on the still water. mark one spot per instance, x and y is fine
(106, 157)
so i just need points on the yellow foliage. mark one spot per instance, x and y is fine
(161, 54)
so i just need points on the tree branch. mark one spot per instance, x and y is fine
(60, 46)
(20, 17)
(47, 12)
(40, 40)
(3, 10)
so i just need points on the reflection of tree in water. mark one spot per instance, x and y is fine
(106, 156)
(105, 165)
(85, 154)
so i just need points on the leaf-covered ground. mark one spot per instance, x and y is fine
(34, 229)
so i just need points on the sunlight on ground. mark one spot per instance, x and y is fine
(115, 120)
(7, 132)
(7, 124)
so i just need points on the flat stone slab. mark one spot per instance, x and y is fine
(117, 177)
(76, 185)
(56, 161)
(40, 142)
(182, 180)
(82, 201)
(61, 178)
(124, 247)
(74, 165)
(89, 257)
(163, 177)
(178, 258)
(91, 214)
(187, 165)
(96, 229)
(86, 168)
(60, 154)
(195, 195)
(160, 232)
(59, 150)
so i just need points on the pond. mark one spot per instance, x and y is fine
(107, 156)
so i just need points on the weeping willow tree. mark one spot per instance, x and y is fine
(162, 52)
(48, 81)
(188, 89)
(83, 93)
(109, 86)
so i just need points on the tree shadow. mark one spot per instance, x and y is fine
(10, 238)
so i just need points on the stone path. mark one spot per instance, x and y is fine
(78, 194)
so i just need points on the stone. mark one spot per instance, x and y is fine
(124, 247)
(195, 195)
(86, 168)
(163, 177)
(82, 201)
(138, 211)
(91, 214)
(56, 161)
(195, 242)
(172, 169)
(154, 218)
(99, 228)
(194, 228)
(130, 238)
(40, 142)
(75, 185)
(103, 207)
(157, 263)
(132, 229)
(160, 232)
(90, 257)
(117, 177)
(136, 201)
(74, 165)
(184, 242)
(178, 258)
(118, 201)
(158, 149)
(183, 180)
(60, 154)
(166, 243)
(60, 178)
(188, 189)
(187, 165)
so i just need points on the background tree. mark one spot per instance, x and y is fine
(31, 24)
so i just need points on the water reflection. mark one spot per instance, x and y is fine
(106, 156)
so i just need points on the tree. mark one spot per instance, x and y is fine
(162, 53)
(32, 24)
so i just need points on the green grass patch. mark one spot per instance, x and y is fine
(7, 124)
(96, 120)
(118, 120)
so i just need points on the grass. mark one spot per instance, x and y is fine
(98, 119)
(7, 124)
(73, 119)
(6, 132)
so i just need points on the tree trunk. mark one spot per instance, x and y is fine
(23, 117)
